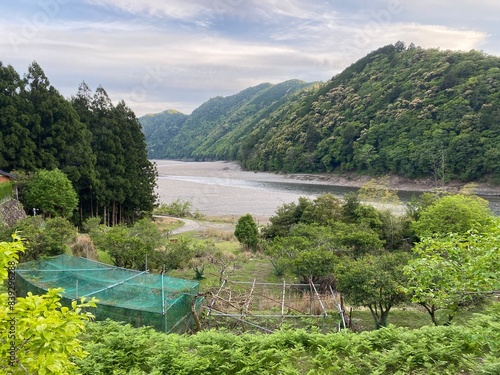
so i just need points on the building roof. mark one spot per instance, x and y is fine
(7, 174)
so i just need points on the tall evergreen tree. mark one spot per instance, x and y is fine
(125, 177)
(17, 150)
(140, 174)
(62, 140)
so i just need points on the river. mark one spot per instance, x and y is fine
(223, 189)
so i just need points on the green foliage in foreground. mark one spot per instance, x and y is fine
(38, 335)
(475, 349)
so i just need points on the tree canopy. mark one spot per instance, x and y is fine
(100, 147)
(246, 231)
(374, 281)
(454, 271)
(51, 193)
(453, 214)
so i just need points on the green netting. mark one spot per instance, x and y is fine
(138, 298)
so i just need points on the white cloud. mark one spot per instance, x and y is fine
(434, 36)
(158, 65)
(176, 9)
(445, 8)
(196, 10)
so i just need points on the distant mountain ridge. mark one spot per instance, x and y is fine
(159, 129)
(402, 110)
(202, 134)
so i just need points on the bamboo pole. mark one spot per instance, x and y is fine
(236, 317)
(247, 305)
(319, 298)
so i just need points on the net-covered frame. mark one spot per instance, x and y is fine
(135, 297)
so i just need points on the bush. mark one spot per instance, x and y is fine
(177, 208)
(48, 237)
(246, 232)
(5, 190)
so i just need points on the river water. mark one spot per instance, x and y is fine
(223, 189)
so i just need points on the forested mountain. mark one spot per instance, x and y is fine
(100, 147)
(159, 129)
(408, 111)
(214, 129)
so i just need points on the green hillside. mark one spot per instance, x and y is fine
(407, 111)
(159, 128)
(211, 131)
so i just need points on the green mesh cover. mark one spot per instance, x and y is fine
(138, 298)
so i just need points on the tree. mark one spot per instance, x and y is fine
(61, 140)
(379, 192)
(42, 334)
(453, 214)
(222, 261)
(355, 240)
(393, 229)
(129, 247)
(285, 218)
(246, 231)
(18, 149)
(322, 210)
(375, 282)
(140, 174)
(353, 211)
(308, 252)
(124, 189)
(51, 192)
(454, 272)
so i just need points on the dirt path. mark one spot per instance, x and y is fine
(198, 226)
(189, 226)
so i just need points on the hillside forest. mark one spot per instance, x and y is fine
(399, 110)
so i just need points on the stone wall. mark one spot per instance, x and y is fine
(11, 212)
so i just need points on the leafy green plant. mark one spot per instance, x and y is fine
(42, 333)
(375, 282)
(453, 214)
(454, 272)
(45, 237)
(51, 193)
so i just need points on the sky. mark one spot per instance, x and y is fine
(176, 54)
